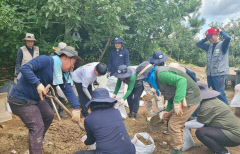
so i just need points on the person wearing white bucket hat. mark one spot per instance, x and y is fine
(26, 53)
(222, 128)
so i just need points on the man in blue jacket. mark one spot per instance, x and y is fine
(217, 60)
(27, 97)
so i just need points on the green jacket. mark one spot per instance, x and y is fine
(175, 85)
(215, 113)
(131, 82)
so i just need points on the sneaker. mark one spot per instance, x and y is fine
(134, 116)
(174, 151)
(62, 115)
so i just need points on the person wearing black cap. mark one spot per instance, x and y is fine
(27, 98)
(182, 93)
(83, 78)
(104, 126)
(222, 128)
(217, 60)
(134, 91)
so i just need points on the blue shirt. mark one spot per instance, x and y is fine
(205, 46)
(117, 58)
(106, 128)
(40, 70)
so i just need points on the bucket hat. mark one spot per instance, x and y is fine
(70, 52)
(210, 32)
(123, 72)
(143, 69)
(29, 37)
(101, 95)
(205, 92)
(157, 57)
(118, 40)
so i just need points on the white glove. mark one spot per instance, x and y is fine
(178, 108)
(41, 91)
(76, 115)
(83, 139)
(121, 101)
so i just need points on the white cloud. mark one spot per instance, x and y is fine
(220, 11)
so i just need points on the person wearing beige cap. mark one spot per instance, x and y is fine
(26, 53)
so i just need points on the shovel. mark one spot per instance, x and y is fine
(54, 98)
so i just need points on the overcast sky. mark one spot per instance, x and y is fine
(221, 11)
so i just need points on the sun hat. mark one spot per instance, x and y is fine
(123, 72)
(205, 92)
(101, 95)
(157, 57)
(143, 69)
(29, 37)
(72, 53)
(118, 40)
(210, 32)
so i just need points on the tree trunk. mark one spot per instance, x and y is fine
(105, 48)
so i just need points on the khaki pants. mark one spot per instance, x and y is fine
(176, 125)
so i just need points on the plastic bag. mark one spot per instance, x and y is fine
(121, 109)
(141, 148)
(236, 100)
(188, 139)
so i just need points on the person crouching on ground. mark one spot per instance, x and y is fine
(83, 78)
(222, 128)
(182, 93)
(134, 91)
(26, 98)
(104, 126)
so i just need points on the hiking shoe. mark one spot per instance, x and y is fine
(62, 115)
(174, 151)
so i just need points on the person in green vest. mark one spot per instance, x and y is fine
(221, 127)
(134, 91)
(182, 93)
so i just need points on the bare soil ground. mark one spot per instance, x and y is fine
(63, 137)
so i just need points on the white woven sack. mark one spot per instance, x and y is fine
(140, 147)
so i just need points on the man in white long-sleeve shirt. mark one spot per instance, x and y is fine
(83, 78)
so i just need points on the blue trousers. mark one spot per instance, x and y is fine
(218, 83)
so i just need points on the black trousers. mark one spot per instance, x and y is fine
(134, 98)
(214, 139)
(37, 119)
(83, 99)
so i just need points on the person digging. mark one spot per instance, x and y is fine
(27, 97)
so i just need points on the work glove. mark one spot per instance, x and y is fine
(178, 108)
(83, 139)
(41, 91)
(76, 115)
(121, 101)
(164, 115)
